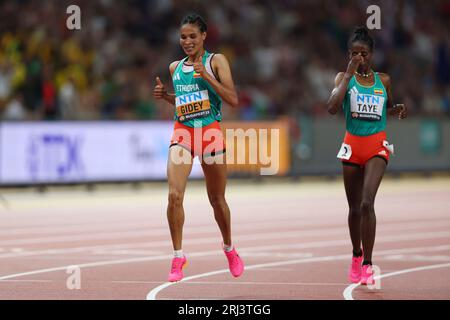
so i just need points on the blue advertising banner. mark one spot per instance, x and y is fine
(67, 152)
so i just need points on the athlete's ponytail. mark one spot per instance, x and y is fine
(195, 19)
(361, 34)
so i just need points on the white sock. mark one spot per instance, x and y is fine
(178, 253)
(228, 248)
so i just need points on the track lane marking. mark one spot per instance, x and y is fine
(349, 290)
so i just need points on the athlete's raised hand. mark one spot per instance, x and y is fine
(159, 92)
(354, 63)
(199, 67)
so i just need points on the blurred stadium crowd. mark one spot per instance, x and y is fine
(284, 55)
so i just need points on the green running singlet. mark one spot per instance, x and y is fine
(196, 102)
(365, 107)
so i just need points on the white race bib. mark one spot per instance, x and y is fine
(193, 105)
(366, 106)
(388, 146)
(345, 152)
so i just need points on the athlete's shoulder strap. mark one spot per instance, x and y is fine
(208, 65)
(378, 78)
(182, 61)
(351, 82)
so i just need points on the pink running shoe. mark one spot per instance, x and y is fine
(176, 272)
(367, 275)
(354, 272)
(235, 263)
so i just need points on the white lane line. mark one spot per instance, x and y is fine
(276, 254)
(158, 229)
(348, 292)
(243, 225)
(250, 250)
(106, 263)
(85, 265)
(234, 283)
(196, 254)
(132, 252)
(259, 236)
(27, 280)
(151, 232)
(277, 269)
(153, 293)
(200, 298)
(417, 257)
(91, 249)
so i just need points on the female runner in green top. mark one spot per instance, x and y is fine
(201, 81)
(365, 97)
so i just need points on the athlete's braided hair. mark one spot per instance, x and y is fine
(195, 19)
(361, 34)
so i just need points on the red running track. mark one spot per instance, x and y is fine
(293, 238)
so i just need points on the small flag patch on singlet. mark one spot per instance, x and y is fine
(197, 75)
(378, 91)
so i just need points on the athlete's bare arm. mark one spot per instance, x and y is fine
(386, 80)
(394, 109)
(225, 86)
(338, 93)
(160, 91)
(340, 84)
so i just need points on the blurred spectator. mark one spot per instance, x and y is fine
(14, 110)
(68, 100)
(284, 55)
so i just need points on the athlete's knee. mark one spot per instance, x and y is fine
(367, 208)
(354, 211)
(175, 198)
(218, 202)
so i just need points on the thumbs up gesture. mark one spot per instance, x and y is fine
(159, 92)
(198, 66)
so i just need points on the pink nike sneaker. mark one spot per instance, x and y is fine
(354, 272)
(367, 275)
(235, 263)
(176, 272)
